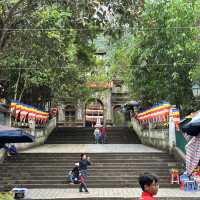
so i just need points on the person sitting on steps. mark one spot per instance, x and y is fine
(10, 150)
(74, 175)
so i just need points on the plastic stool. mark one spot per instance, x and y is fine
(174, 178)
(198, 186)
(189, 186)
(183, 179)
(19, 193)
(197, 181)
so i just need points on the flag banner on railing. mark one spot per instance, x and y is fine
(156, 113)
(160, 113)
(175, 114)
(23, 111)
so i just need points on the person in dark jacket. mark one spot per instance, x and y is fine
(11, 150)
(74, 174)
(83, 164)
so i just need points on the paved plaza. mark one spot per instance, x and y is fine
(103, 192)
(91, 148)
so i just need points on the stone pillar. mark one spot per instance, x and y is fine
(172, 133)
(108, 108)
(79, 111)
(61, 113)
(32, 127)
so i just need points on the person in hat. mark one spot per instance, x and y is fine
(73, 175)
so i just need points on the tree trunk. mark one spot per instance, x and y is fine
(5, 24)
(17, 85)
(24, 87)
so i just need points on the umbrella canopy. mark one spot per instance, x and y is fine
(192, 154)
(4, 109)
(14, 135)
(185, 120)
(192, 127)
(132, 103)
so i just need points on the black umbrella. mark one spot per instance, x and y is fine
(133, 103)
(193, 127)
(185, 121)
(14, 135)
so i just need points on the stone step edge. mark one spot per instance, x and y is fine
(106, 193)
(116, 198)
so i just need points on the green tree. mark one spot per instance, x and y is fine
(54, 50)
(161, 53)
(50, 43)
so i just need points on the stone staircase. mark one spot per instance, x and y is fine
(108, 170)
(44, 170)
(69, 135)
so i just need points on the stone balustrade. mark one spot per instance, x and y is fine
(163, 139)
(158, 138)
(40, 136)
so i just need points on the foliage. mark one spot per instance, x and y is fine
(6, 196)
(50, 44)
(53, 51)
(115, 16)
(195, 74)
(161, 52)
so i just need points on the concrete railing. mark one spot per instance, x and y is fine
(158, 138)
(40, 137)
(163, 139)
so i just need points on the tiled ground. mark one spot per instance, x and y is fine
(103, 192)
(92, 148)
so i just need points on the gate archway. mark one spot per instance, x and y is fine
(70, 112)
(94, 112)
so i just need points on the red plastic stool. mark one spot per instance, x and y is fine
(175, 178)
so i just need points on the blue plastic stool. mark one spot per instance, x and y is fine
(19, 193)
(189, 186)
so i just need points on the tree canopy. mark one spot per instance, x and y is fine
(45, 44)
(50, 46)
(157, 57)
(50, 43)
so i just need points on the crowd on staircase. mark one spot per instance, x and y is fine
(100, 134)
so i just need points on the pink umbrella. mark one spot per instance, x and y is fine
(192, 154)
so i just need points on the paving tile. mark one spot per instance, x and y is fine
(170, 194)
(91, 148)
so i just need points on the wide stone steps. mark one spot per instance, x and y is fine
(108, 170)
(103, 166)
(94, 172)
(91, 184)
(69, 135)
(45, 170)
(91, 178)
(113, 156)
(97, 163)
